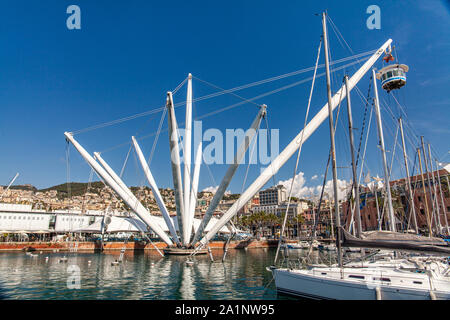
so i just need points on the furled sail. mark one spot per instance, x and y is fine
(395, 241)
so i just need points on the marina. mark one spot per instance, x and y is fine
(144, 275)
(372, 223)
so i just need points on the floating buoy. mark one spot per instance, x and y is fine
(115, 263)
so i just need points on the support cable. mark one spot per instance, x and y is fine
(233, 105)
(299, 153)
(209, 96)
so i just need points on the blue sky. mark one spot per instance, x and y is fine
(128, 54)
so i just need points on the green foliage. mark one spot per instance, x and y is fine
(231, 197)
(76, 189)
(26, 187)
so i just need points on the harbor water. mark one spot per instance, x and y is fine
(141, 275)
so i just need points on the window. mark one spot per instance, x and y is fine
(395, 73)
(356, 277)
(382, 279)
(389, 74)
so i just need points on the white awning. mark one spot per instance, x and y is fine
(134, 224)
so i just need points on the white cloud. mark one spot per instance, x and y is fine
(210, 189)
(376, 182)
(314, 177)
(214, 190)
(300, 190)
(343, 189)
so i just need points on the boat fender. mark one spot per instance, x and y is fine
(378, 293)
(432, 295)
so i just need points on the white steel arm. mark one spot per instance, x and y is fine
(155, 190)
(10, 184)
(230, 172)
(187, 164)
(286, 154)
(128, 198)
(194, 188)
(175, 162)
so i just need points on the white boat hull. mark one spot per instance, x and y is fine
(304, 283)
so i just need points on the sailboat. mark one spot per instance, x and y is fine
(414, 281)
(413, 278)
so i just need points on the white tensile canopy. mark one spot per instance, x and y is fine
(133, 224)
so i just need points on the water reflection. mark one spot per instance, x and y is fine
(142, 275)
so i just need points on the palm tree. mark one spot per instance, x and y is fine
(272, 220)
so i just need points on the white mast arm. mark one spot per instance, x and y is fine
(187, 163)
(10, 184)
(285, 155)
(194, 188)
(156, 193)
(249, 136)
(111, 172)
(130, 200)
(175, 162)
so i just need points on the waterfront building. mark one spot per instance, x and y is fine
(369, 215)
(272, 196)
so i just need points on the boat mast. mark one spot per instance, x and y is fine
(412, 211)
(333, 148)
(331, 217)
(387, 186)
(379, 222)
(433, 212)
(352, 150)
(442, 197)
(424, 194)
(438, 213)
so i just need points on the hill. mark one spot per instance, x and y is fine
(27, 187)
(76, 188)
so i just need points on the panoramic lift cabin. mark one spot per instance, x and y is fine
(393, 76)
